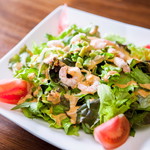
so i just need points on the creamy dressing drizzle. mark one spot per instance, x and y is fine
(58, 118)
(73, 108)
(22, 100)
(146, 86)
(125, 85)
(143, 93)
(54, 97)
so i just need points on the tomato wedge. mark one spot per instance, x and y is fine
(12, 90)
(147, 46)
(113, 133)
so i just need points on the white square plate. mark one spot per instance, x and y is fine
(39, 128)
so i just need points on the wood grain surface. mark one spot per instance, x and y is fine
(18, 17)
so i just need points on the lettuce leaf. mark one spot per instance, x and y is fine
(144, 103)
(139, 52)
(30, 109)
(67, 31)
(144, 66)
(13, 60)
(115, 38)
(39, 109)
(124, 79)
(23, 73)
(74, 29)
(62, 107)
(106, 68)
(140, 119)
(23, 57)
(140, 76)
(37, 49)
(88, 113)
(69, 128)
(113, 101)
(50, 37)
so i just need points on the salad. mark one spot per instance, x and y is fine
(80, 80)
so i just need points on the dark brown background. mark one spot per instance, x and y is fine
(18, 17)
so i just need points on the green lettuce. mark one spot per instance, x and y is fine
(69, 128)
(37, 49)
(140, 76)
(30, 109)
(113, 101)
(116, 38)
(42, 110)
(24, 73)
(50, 37)
(124, 79)
(24, 57)
(62, 107)
(144, 66)
(107, 67)
(139, 52)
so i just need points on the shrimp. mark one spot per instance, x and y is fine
(77, 38)
(90, 85)
(74, 72)
(98, 43)
(55, 43)
(50, 59)
(116, 52)
(121, 64)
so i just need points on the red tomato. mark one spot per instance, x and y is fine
(12, 90)
(113, 133)
(147, 46)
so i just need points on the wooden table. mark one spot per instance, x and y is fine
(18, 17)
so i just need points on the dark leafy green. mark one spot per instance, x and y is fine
(88, 115)
(140, 119)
